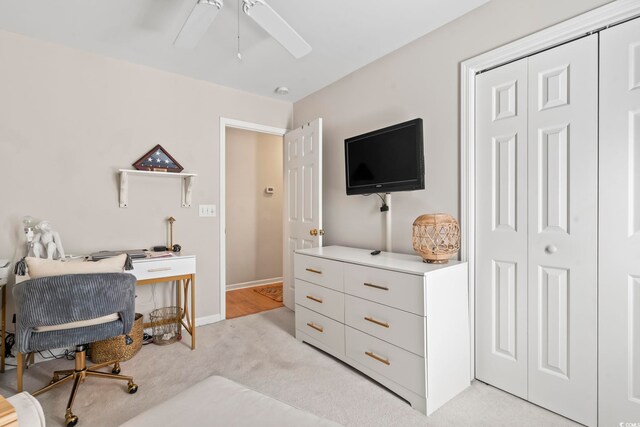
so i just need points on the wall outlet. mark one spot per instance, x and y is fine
(207, 210)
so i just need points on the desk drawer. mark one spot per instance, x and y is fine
(397, 290)
(320, 299)
(327, 331)
(406, 330)
(144, 270)
(392, 362)
(323, 272)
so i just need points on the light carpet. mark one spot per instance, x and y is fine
(260, 352)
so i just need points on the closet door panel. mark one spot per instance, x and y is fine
(619, 301)
(501, 227)
(562, 239)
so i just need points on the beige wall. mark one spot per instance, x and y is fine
(254, 218)
(69, 120)
(418, 80)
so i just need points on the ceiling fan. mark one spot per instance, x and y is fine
(205, 11)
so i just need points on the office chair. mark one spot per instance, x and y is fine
(73, 310)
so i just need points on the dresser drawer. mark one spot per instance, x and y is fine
(406, 330)
(320, 271)
(394, 363)
(320, 299)
(327, 331)
(397, 290)
(153, 269)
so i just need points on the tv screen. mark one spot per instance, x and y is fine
(386, 160)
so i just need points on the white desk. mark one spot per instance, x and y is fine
(180, 269)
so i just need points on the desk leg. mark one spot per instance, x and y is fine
(4, 326)
(193, 312)
(179, 304)
(20, 367)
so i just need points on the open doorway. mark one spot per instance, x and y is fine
(252, 273)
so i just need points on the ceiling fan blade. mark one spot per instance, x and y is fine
(277, 27)
(198, 22)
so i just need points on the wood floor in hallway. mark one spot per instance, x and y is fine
(242, 302)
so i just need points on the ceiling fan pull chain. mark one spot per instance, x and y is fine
(239, 54)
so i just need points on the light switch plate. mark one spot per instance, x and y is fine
(207, 210)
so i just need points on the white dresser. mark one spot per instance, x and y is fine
(400, 321)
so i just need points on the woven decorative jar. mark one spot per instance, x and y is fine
(116, 348)
(436, 237)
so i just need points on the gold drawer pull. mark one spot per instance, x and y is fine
(314, 299)
(377, 322)
(371, 285)
(153, 270)
(311, 270)
(378, 358)
(316, 327)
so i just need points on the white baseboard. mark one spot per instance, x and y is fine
(254, 283)
(206, 320)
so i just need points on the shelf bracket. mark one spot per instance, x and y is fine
(187, 190)
(124, 189)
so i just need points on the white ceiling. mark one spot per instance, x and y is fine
(345, 35)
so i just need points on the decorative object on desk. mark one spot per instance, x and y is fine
(159, 160)
(436, 237)
(28, 223)
(28, 226)
(171, 246)
(117, 347)
(46, 242)
(165, 323)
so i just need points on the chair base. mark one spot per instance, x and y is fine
(79, 374)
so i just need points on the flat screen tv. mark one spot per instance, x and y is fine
(386, 160)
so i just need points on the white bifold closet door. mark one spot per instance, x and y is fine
(501, 227)
(563, 229)
(536, 228)
(619, 323)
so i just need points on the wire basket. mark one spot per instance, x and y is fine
(165, 324)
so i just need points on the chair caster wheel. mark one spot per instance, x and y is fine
(115, 371)
(132, 388)
(70, 420)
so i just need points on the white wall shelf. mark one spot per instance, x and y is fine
(188, 179)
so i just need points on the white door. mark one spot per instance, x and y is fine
(536, 228)
(501, 227)
(563, 221)
(619, 380)
(303, 197)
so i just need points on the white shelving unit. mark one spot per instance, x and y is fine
(188, 179)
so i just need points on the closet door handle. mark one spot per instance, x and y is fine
(551, 249)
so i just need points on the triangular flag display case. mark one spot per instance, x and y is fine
(159, 160)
